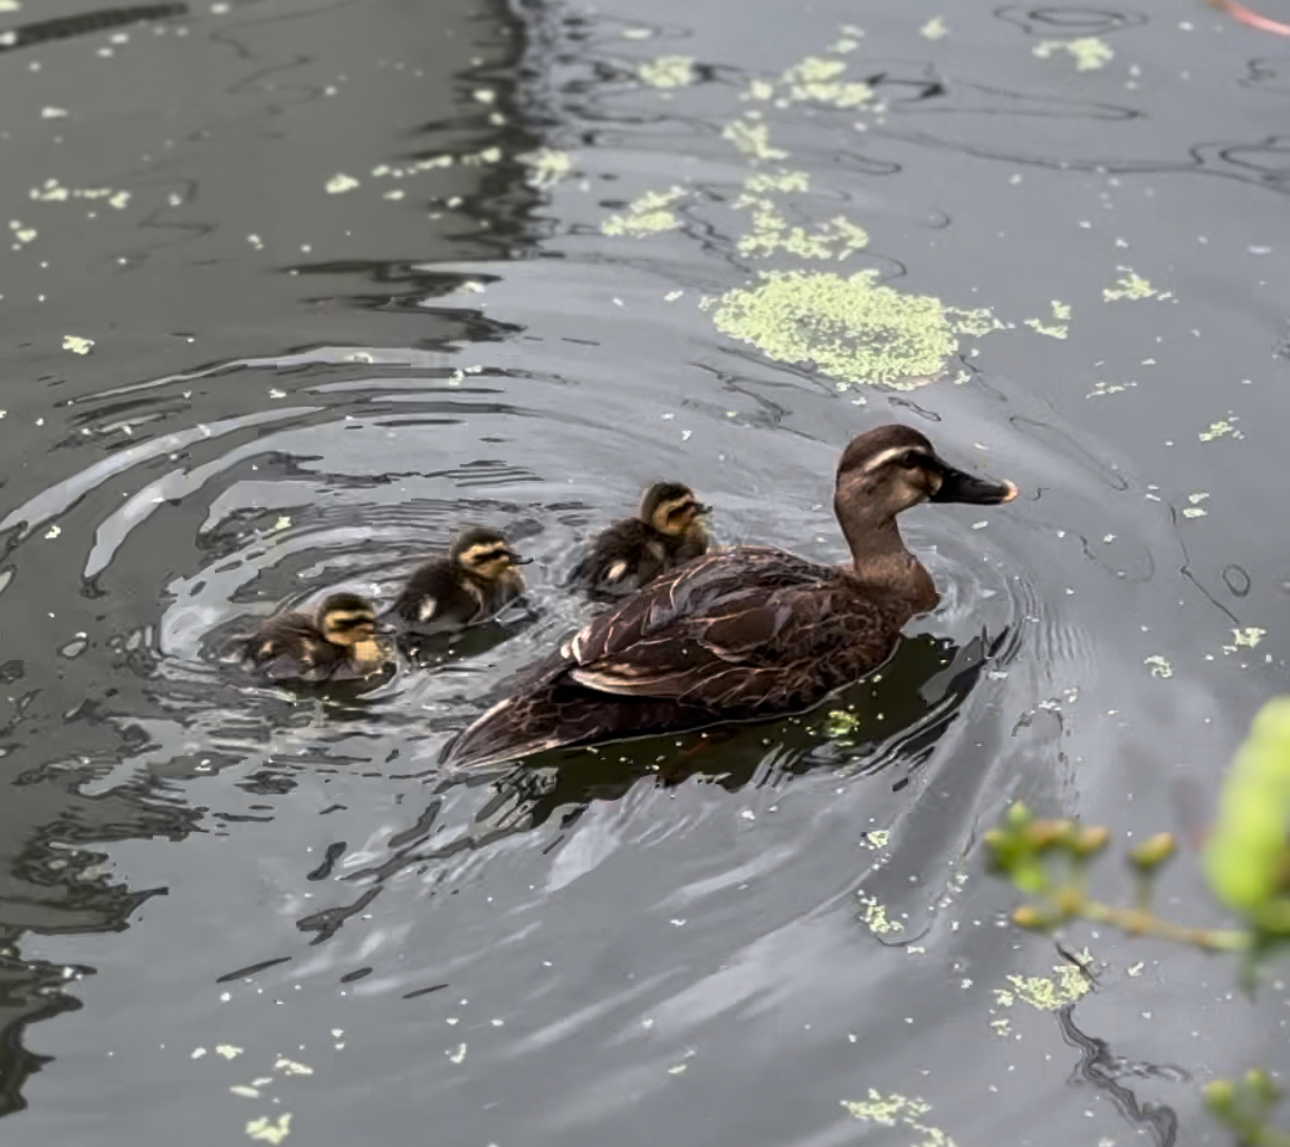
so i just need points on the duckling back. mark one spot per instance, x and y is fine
(631, 554)
(290, 647)
(441, 596)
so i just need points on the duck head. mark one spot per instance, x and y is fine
(347, 619)
(485, 553)
(672, 509)
(887, 470)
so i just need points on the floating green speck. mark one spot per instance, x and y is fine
(1057, 330)
(817, 79)
(899, 1110)
(849, 327)
(875, 916)
(1129, 285)
(785, 181)
(934, 29)
(752, 137)
(647, 214)
(267, 1132)
(1159, 665)
(546, 165)
(668, 72)
(1223, 428)
(771, 232)
(1088, 52)
(1067, 984)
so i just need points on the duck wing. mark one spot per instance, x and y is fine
(736, 632)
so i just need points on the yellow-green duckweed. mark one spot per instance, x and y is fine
(849, 327)
(647, 214)
(667, 72)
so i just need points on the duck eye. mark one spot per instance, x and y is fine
(912, 461)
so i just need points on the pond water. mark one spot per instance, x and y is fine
(293, 288)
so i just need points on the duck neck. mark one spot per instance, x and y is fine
(881, 560)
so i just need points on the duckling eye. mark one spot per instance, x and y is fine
(912, 461)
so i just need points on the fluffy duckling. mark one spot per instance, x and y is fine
(667, 531)
(743, 634)
(470, 585)
(337, 643)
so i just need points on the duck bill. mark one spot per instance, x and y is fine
(516, 560)
(956, 486)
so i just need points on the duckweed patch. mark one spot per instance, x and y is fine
(817, 79)
(875, 917)
(1222, 428)
(647, 214)
(1055, 330)
(1130, 285)
(849, 327)
(934, 29)
(266, 1132)
(547, 166)
(771, 232)
(1048, 993)
(1246, 637)
(1195, 509)
(751, 136)
(668, 72)
(895, 1110)
(1088, 52)
(1159, 665)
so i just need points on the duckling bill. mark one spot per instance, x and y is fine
(473, 582)
(668, 531)
(745, 633)
(336, 643)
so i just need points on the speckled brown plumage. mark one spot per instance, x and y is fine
(745, 633)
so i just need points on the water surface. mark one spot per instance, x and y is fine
(346, 277)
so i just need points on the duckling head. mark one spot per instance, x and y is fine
(887, 470)
(347, 619)
(672, 509)
(485, 553)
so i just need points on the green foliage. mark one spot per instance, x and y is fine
(1247, 859)
(1246, 863)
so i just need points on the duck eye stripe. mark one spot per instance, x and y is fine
(906, 454)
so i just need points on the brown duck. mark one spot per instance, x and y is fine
(742, 634)
(336, 643)
(476, 579)
(666, 532)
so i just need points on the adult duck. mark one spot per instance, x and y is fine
(742, 634)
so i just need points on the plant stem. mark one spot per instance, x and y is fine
(1137, 922)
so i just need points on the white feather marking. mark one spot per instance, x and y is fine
(428, 606)
(890, 455)
(616, 571)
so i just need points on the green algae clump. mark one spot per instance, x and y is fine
(849, 327)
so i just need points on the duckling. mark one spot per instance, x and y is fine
(470, 585)
(667, 531)
(744, 633)
(337, 643)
